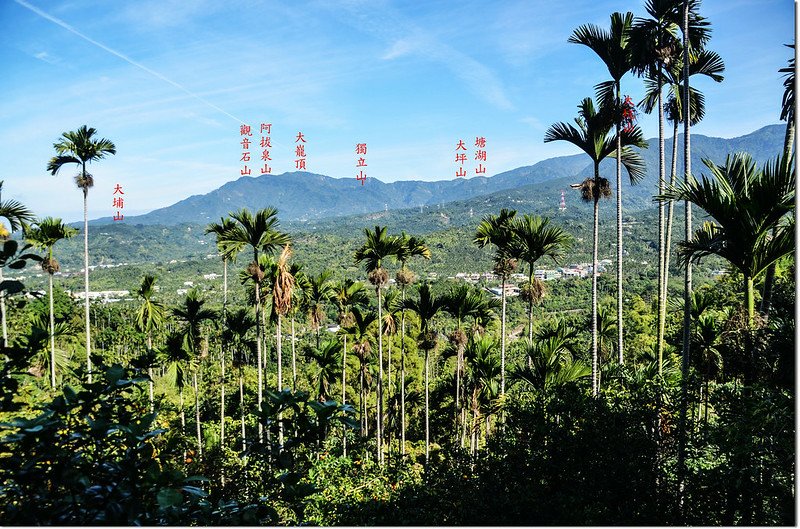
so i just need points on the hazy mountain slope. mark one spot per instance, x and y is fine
(305, 196)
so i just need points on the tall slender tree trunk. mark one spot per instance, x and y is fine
(294, 359)
(769, 279)
(150, 372)
(503, 338)
(364, 396)
(3, 313)
(662, 272)
(278, 340)
(749, 300)
(473, 438)
(222, 353)
(344, 393)
(457, 414)
(427, 412)
(530, 305)
(687, 290)
(241, 408)
(619, 230)
(379, 414)
(259, 332)
(670, 208)
(595, 230)
(53, 335)
(403, 375)
(183, 412)
(197, 413)
(389, 365)
(86, 278)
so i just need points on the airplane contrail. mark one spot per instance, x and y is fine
(102, 46)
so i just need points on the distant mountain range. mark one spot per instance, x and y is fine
(302, 197)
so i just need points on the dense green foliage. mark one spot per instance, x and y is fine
(344, 374)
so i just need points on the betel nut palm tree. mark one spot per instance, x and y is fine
(427, 306)
(534, 238)
(150, 316)
(259, 232)
(81, 148)
(317, 293)
(227, 254)
(16, 214)
(706, 63)
(613, 48)
(745, 203)
(282, 287)
(347, 294)
(193, 312)
(410, 246)
(592, 136)
(378, 247)
(787, 115)
(236, 333)
(44, 235)
(654, 47)
(496, 230)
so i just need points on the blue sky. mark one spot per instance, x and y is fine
(169, 81)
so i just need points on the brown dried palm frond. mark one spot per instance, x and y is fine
(428, 341)
(346, 319)
(379, 277)
(255, 272)
(505, 266)
(590, 191)
(284, 283)
(404, 277)
(533, 291)
(458, 338)
(50, 266)
(84, 181)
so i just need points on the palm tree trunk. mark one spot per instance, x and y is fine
(476, 425)
(53, 335)
(197, 413)
(389, 365)
(150, 371)
(456, 402)
(3, 313)
(530, 305)
(595, 229)
(362, 404)
(427, 412)
(344, 393)
(259, 332)
(403, 374)
(670, 207)
(86, 278)
(222, 353)
(662, 272)
(749, 301)
(278, 340)
(241, 408)
(769, 279)
(183, 412)
(687, 290)
(458, 388)
(503, 338)
(294, 360)
(619, 232)
(379, 413)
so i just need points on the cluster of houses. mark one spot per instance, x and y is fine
(579, 270)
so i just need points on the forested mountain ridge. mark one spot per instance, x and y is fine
(303, 196)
